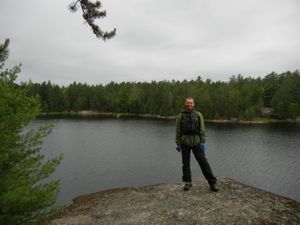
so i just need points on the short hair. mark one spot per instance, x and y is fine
(190, 98)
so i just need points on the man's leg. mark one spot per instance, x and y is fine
(186, 170)
(204, 165)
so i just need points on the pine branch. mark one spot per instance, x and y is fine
(4, 50)
(91, 12)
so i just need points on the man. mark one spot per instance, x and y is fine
(190, 135)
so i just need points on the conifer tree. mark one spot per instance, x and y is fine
(25, 199)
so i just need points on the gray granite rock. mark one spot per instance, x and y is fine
(235, 203)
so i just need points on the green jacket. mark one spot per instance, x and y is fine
(190, 140)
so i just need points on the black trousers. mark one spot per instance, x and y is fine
(202, 161)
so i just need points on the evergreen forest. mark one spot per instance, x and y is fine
(239, 98)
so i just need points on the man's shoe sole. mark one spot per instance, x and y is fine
(187, 188)
(213, 188)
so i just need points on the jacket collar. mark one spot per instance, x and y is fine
(186, 111)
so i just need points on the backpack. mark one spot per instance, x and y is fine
(190, 123)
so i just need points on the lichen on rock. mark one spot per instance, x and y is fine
(235, 203)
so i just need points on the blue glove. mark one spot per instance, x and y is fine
(202, 146)
(178, 147)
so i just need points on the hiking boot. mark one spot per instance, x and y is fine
(187, 186)
(213, 187)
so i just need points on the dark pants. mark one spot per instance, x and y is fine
(202, 161)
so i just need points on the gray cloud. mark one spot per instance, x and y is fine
(168, 40)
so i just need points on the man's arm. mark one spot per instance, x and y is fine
(202, 129)
(178, 129)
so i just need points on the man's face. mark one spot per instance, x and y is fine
(189, 104)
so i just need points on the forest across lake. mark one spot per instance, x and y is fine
(240, 98)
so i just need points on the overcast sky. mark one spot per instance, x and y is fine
(156, 40)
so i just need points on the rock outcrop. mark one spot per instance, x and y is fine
(235, 203)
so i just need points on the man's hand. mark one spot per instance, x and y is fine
(202, 146)
(178, 147)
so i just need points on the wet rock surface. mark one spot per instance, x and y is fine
(235, 203)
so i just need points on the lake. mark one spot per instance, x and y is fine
(106, 153)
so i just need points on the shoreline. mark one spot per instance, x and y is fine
(86, 113)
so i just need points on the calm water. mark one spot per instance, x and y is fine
(101, 154)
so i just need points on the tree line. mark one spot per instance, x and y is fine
(240, 97)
